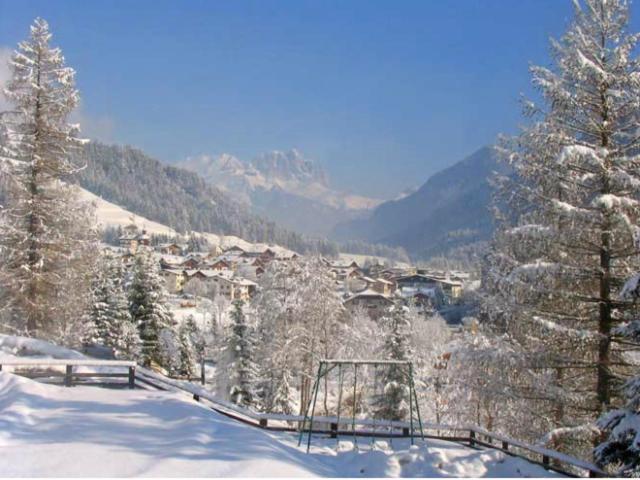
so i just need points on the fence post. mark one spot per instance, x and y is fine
(472, 437)
(196, 397)
(334, 430)
(202, 379)
(505, 445)
(405, 431)
(68, 376)
(263, 423)
(132, 377)
(545, 460)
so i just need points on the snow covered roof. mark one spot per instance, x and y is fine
(368, 293)
(368, 279)
(172, 271)
(408, 292)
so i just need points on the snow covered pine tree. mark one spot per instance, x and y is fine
(239, 352)
(151, 314)
(567, 239)
(619, 454)
(187, 349)
(47, 235)
(274, 305)
(393, 402)
(109, 310)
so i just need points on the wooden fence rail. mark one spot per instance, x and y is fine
(49, 368)
(333, 427)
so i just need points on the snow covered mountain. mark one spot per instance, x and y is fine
(285, 187)
(450, 211)
(178, 198)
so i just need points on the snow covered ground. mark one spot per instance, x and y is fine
(47, 430)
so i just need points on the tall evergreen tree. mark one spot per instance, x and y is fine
(392, 403)
(149, 311)
(47, 234)
(109, 310)
(274, 305)
(187, 348)
(240, 354)
(566, 243)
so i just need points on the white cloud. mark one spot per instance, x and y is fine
(99, 127)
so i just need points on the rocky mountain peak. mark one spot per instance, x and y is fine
(288, 166)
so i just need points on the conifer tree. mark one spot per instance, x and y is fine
(568, 220)
(187, 348)
(47, 237)
(195, 335)
(274, 304)
(393, 402)
(150, 313)
(109, 310)
(619, 453)
(240, 351)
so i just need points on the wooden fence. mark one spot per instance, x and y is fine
(67, 370)
(333, 427)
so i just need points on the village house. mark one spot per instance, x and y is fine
(131, 239)
(174, 280)
(374, 303)
(451, 288)
(220, 265)
(190, 263)
(233, 288)
(345, 274)
(170, 249)
(382, 286)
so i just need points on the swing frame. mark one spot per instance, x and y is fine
(327, 365)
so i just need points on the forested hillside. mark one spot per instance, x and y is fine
(184, 201)
(450, 211)
(178, 198)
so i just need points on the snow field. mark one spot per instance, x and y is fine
(47, 430)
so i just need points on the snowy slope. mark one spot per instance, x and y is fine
(47, 430)
(110, 214)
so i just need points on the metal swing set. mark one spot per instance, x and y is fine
(328, 365)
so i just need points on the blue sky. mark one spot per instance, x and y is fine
(381, 93)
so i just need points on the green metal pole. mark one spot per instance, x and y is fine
(375, 387)
(353, 416)
(341, 381)
(306, 410)
(411, 402)
(415, 396)
(313, 408)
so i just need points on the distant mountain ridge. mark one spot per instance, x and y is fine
(285, 187)
(178, 198)
(183, 201)
(449, 211)
(291, 166)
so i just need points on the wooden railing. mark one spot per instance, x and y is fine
(50, 368)
(333, 427)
